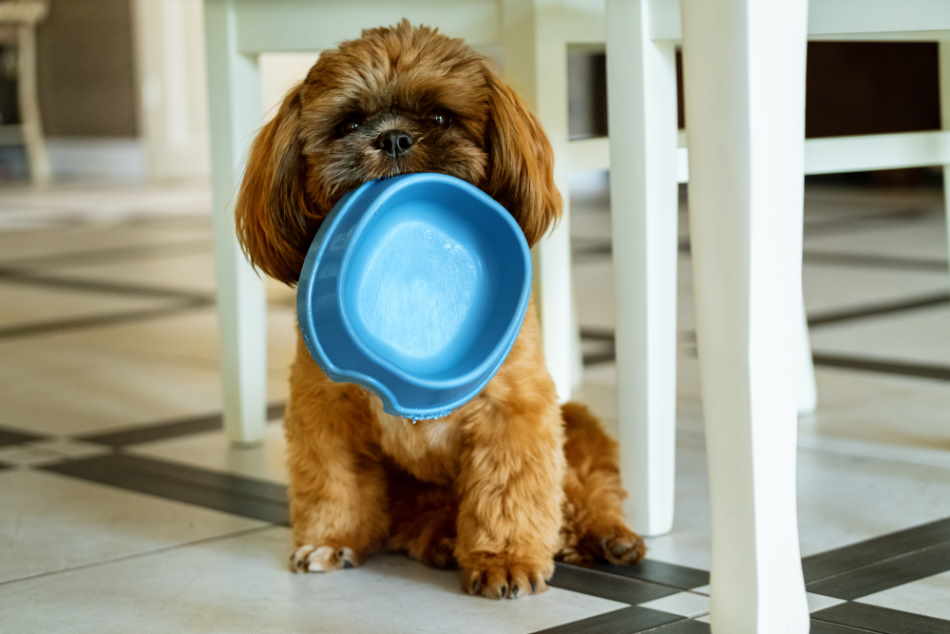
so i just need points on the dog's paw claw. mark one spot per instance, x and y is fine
(310, 558)
(506, 580)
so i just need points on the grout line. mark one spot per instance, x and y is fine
(20, 276)
(847, 628)
(135, 435)
(876, 310)
(899, 368)
(148, 553)
(867, 222)
(92, 256)
(109, 319)
(875, 261)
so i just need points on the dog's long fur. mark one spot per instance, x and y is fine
(510, 480)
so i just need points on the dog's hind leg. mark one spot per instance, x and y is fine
(594, 528)
(423, 520)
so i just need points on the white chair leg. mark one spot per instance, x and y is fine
(559, 331)
(744, 85)
(32, 124)
(536, 65)
(945, 121)
(234, 105)
(643, 198)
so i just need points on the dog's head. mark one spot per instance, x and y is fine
(397, 100)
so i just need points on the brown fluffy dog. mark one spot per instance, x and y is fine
(508, 481)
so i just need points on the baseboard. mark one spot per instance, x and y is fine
(97, 159)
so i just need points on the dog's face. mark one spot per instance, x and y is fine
(396, 101)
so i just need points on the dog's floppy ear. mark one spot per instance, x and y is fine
(274, 224)
(521, 162)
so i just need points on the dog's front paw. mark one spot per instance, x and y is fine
(310, 558)
(501, 577)
(623, 547)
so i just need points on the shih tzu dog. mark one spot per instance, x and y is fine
(511, 480)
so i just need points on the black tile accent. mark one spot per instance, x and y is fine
(821, 627)
(93, 256)
(866, 260)
(879, 309)
(687, 627)
(17, 437)
(237, 495)
(96, 321)
(608, 586)
(684, 627)
(660, 572)
(4, 467)
(903, 368)
(597, 334)
(599, 357)
(170, 428)
(623, 621)
(887, 574)
(882, 620)
(16, 276)
(873, 551)
(864, 222)
(591, 250)
(817, 627)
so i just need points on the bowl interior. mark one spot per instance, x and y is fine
(433, 281)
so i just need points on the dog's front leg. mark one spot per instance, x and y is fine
(510, 494)
(338, 498)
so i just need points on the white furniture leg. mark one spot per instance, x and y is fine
(945, 122)
(643, 199)
(559, 331)
(32, 124)
(234, 105)
(744, 84)
(533, 36)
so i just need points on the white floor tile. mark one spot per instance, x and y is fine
(818, 602)
(214, 451)
(921, 237)
(827, 288)
(242, 585)
(929, 596)
(890, 417)
(892, 414)
(51, 523)
(143, 372)
(918, 336)
(842, 500)
(191, 271)
(95, 205)
(26, 305)
(686, 604)
(45, 247)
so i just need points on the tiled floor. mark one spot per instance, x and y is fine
(123, 507)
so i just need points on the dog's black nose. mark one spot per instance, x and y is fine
(394, 142)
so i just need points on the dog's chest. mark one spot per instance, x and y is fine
(428, 449)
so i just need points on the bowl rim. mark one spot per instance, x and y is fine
(486, 368)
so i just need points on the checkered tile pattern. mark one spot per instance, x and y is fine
(107, 494)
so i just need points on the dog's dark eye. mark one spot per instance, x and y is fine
(441, 118)
(349, 126)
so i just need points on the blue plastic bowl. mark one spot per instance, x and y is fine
(415, 287)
